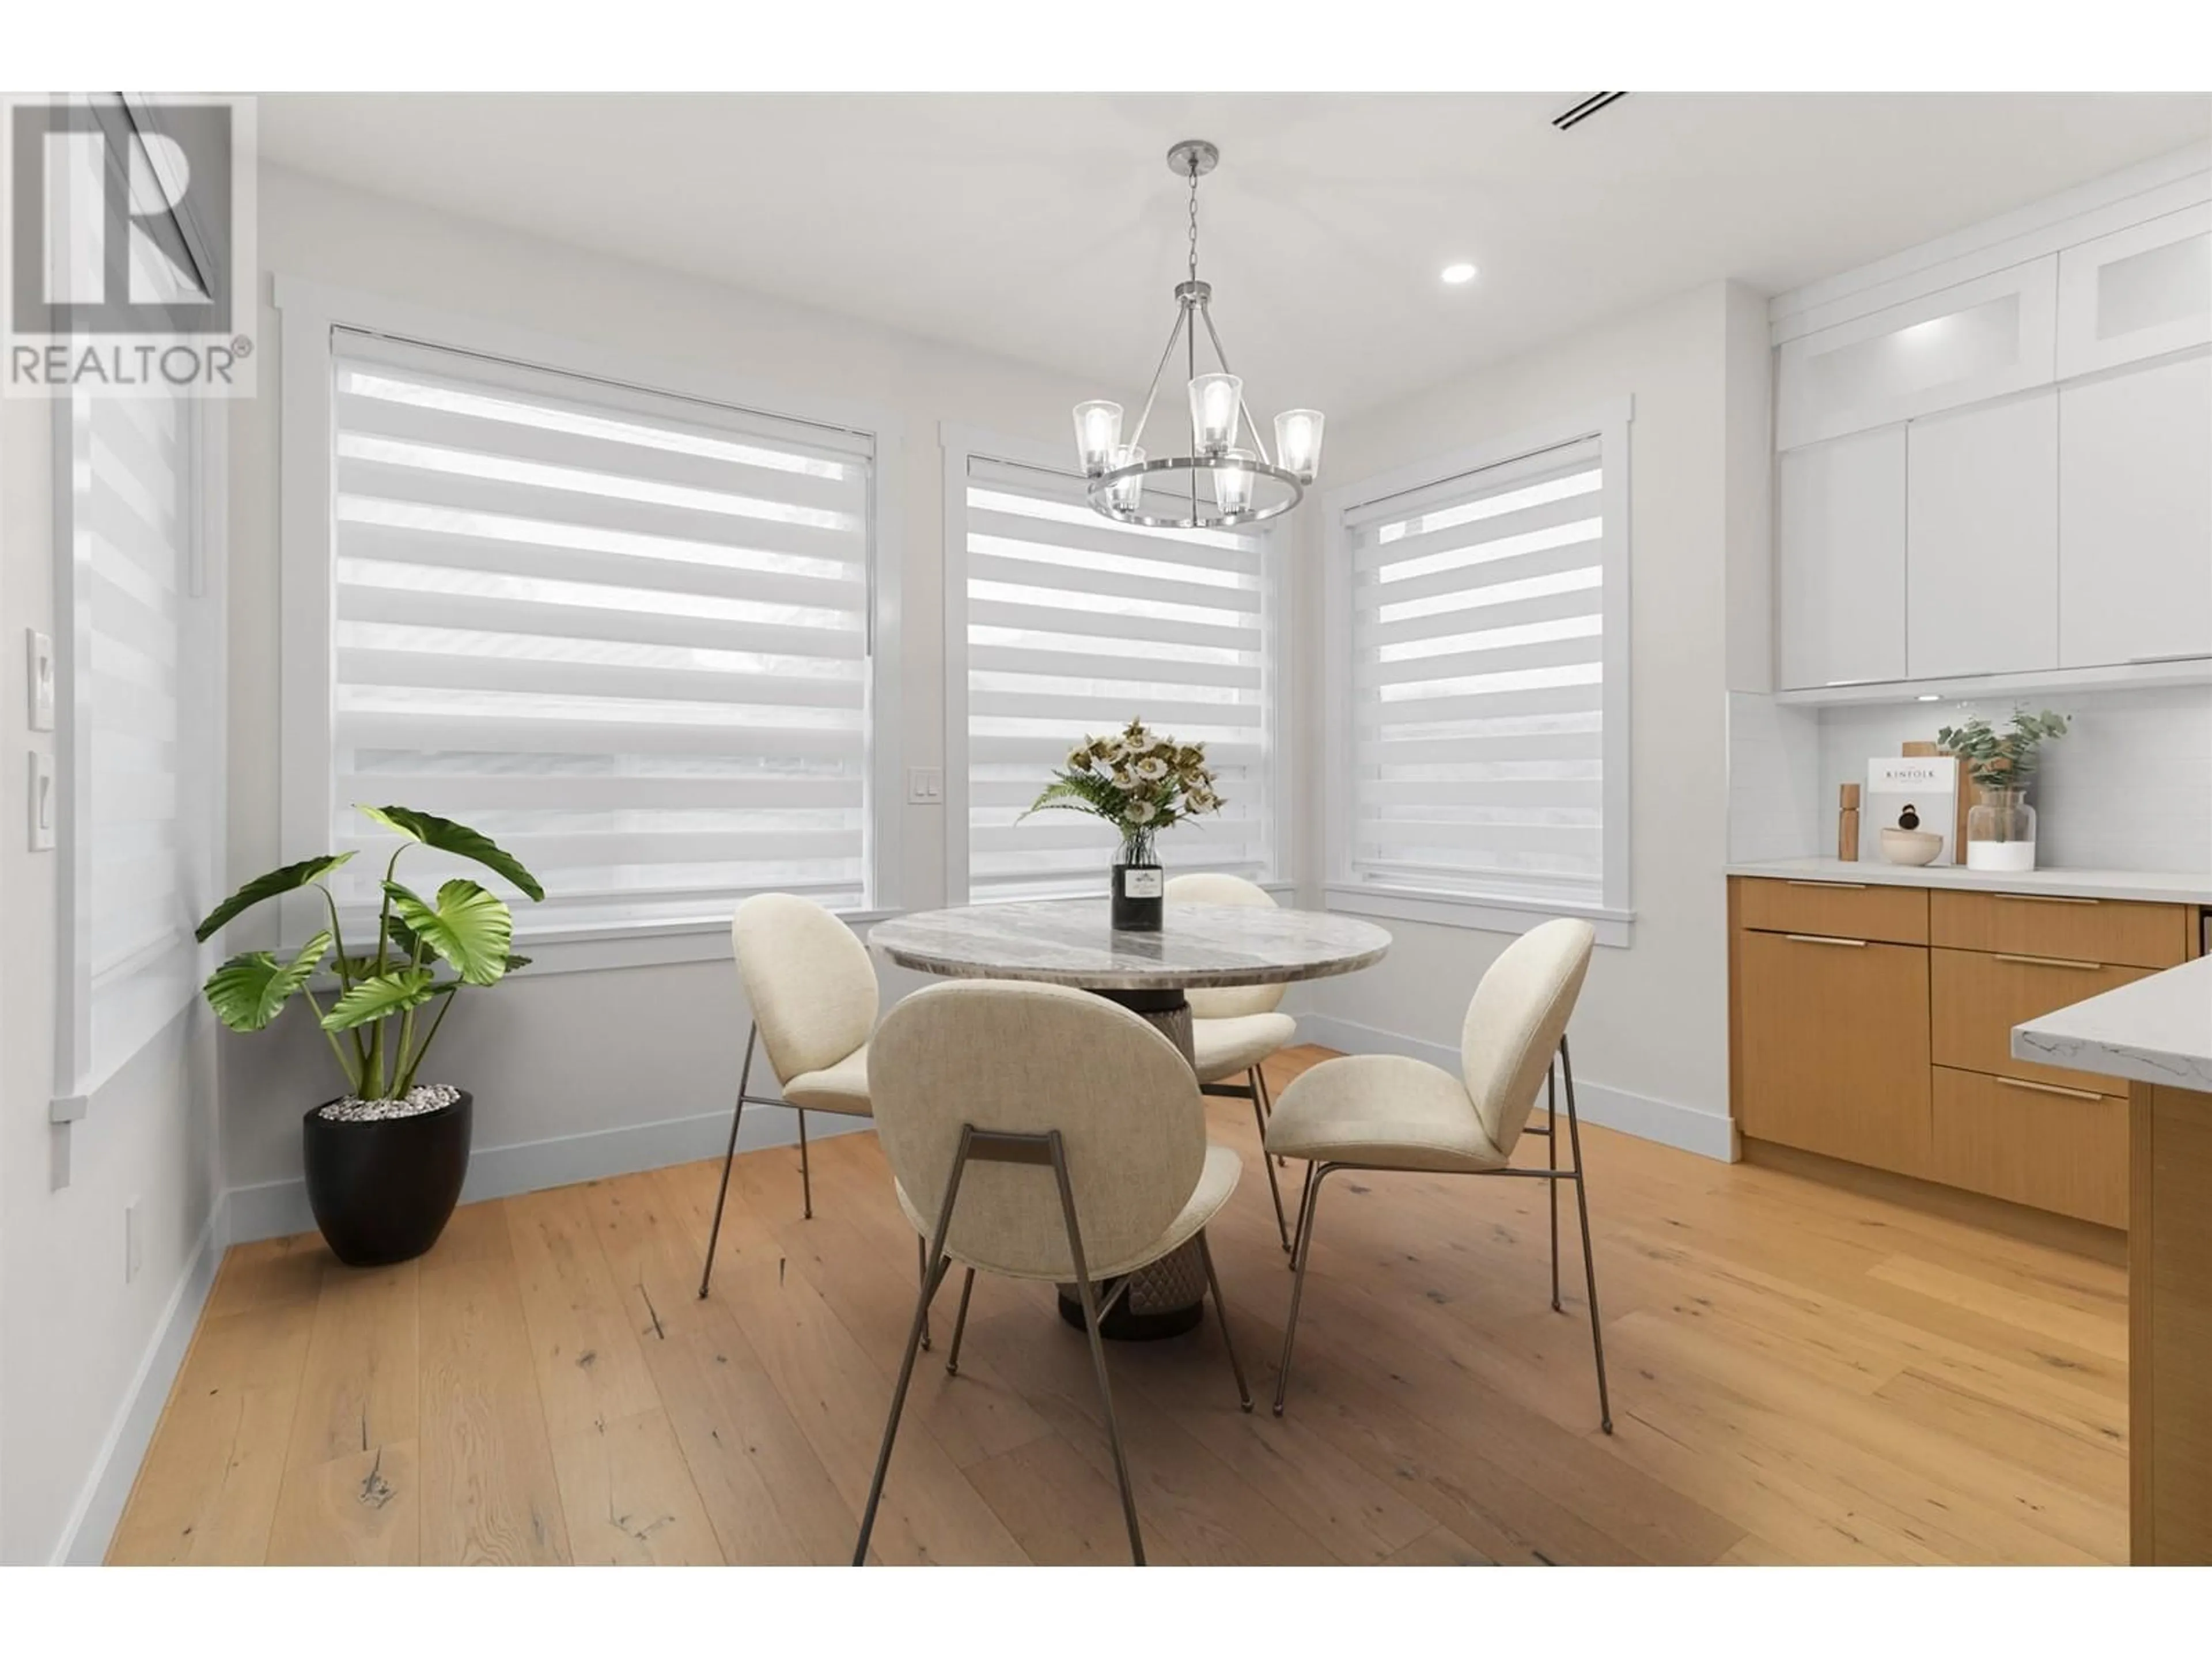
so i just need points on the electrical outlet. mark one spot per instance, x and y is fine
(134, 1244)
(42, 802)
(39, 662)
(925, 786)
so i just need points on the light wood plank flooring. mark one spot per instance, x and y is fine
(1800, 1374)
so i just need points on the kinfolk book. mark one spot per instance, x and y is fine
(1927, 784)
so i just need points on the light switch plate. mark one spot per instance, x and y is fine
(925, 786)
(42, 802)
(39, 662)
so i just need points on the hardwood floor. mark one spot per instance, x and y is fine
(1799, 1373)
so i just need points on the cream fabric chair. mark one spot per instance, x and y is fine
(812, 991)
(1233, 1030)
(1040, 1132)
(1383, 1112)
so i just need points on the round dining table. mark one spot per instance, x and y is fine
(1071, 942)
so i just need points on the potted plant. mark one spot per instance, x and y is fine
(2001, 765)
(1140, 782)
(385, 1159)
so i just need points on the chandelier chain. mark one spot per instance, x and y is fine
(1194, 219)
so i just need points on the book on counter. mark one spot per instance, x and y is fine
(1926, 784)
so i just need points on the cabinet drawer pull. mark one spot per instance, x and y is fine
(1832, 886)
(2047, 962)
(2048, 1088)
(1823, 938)
(2048, 898)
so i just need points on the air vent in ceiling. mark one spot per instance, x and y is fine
(1589, 106)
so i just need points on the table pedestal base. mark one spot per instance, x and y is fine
(1168, 1298)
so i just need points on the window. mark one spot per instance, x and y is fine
(1479, 640)
(139, 719)
(1064, 624)
(625, 633)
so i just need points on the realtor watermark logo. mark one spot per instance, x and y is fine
(130, 267)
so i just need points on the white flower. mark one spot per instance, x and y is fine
(1079, 758)
(1151, 768)
(1124, 778)
(1144, 743)
(1142, 811)
(1115, 750)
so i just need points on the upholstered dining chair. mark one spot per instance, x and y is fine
(1235, 1029)
(1042, 1133)
(812, 992)
(1386, 1112)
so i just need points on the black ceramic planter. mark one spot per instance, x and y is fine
(383, 1191)
(1139, 897)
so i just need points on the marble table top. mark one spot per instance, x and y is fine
(1068, 942)
(2156, 1030)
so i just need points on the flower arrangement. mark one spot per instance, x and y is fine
(2001, 760)
(1138, 780)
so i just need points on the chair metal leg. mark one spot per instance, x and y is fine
(1221, 1314)
(1551, 1163)
(1260, 1116)
(930, 1281)
(1315, 1174)
(805, 1172)
(1305, 1197)
(1590, 1261)
(729, 1157)
(921, 1249)
(1266, 1111)
(960, 1324)
(1090, 1300)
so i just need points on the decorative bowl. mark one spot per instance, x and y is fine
(1910, 846)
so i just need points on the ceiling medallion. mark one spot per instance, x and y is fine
(1216, 484)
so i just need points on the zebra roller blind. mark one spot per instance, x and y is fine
(1478, 746)
(1075, 625)
(624, 635)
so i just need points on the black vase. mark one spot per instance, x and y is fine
(1139, 897)
(382, 1191)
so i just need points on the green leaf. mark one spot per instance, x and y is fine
(379, 997)
(515, 962)
(469, 927)
(446, 836)
(290, 879)
(249, 991)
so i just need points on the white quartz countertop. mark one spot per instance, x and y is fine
(2156, 1030)
(2148, 886)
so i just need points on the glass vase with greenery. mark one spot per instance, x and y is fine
(372, 1022)
(1141, 782)
(2004, 759)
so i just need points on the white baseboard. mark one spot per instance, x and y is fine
(84, 1540)
(1706, 1133)
(274, 1209)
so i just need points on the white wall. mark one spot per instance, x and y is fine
(553, 1055)
(1651, 1033)
(74, 1337)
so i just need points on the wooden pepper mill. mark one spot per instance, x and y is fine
(1847, 824)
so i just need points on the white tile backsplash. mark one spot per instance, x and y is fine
(2129, 787)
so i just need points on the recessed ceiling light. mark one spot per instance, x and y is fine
(1458, 273)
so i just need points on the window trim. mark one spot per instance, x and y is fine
(307, 313)
(963, 443)
(1614, 915)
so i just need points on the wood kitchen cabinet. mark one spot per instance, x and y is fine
(1810, 1076)
(1872, 1022)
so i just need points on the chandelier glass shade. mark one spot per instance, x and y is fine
(1217, 483)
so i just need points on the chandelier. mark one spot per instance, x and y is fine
(1217, 483)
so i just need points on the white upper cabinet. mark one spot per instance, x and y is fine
(1841, 542)
(2140, 293)
(1972, 341)
(2135, 515)
(1982, 539)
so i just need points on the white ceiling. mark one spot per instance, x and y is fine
(1047, 227)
